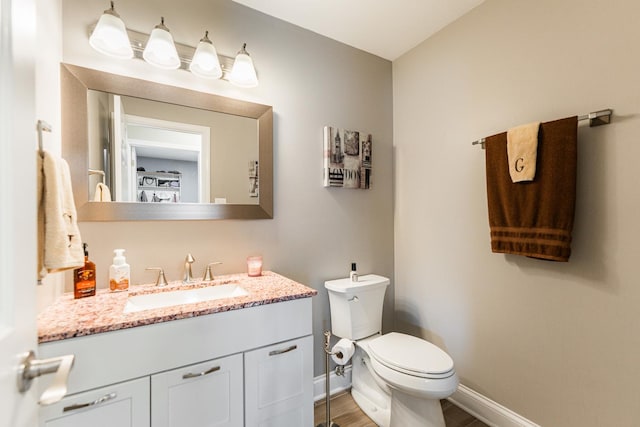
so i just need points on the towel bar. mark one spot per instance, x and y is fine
(42, 126)
(596, 118)
(97, 172)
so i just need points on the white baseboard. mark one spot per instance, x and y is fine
(487, 410)
(337, 384)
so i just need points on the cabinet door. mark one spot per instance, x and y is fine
(208, 394)
(279, 384)
(123, 405)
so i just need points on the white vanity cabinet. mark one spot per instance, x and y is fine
(277, 387)
(124, 405)
(248, 367)
(206, 394)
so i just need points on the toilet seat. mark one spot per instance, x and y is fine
(410, 355)
(413, 366)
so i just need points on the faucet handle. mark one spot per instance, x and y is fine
(161, 280)
(208, 273)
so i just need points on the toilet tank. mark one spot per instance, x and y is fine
(356, 307)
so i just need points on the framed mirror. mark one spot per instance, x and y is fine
(163, 152)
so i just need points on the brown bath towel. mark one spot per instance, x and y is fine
(534, 218)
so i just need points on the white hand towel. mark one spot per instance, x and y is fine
(102, 194)
(60, 244)
(522, 151)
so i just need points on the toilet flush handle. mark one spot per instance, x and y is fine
(353, 298)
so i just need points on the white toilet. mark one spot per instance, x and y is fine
(397, 379)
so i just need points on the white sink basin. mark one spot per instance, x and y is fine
(187, 296)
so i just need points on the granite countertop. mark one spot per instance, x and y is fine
(68, 317)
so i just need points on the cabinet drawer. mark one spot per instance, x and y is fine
(124, 405)
(206, 394)
(279, 384)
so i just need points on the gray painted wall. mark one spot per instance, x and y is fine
(311, 82)
(554, 342)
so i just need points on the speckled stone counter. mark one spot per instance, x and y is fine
(104, 312)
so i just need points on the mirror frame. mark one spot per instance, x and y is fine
(75, 81)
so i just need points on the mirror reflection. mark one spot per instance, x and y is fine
(160, 152)
(154, 152)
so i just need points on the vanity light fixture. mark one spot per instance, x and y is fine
(243, 74)
(205, 62)
(160, 50)
(110, 36)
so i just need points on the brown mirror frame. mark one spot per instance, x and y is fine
(76, 81)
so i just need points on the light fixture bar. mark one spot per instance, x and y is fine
(185, 52)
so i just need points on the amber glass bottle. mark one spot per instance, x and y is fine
(84, 278)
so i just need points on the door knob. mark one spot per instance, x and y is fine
(31, 368)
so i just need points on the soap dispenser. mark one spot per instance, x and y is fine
(84, 278)
(119, 272)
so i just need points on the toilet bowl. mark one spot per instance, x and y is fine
(397, 393)
(397, 379)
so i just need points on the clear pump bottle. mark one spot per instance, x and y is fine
(119, 272)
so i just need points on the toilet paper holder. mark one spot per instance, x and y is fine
(327, 354)
(341, 353)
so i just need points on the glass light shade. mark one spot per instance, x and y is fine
(243, 74)
(109, 37)
(205, 62)
(160, 50)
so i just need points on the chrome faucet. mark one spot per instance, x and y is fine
(188, 275)
(161, 280)
(208, 272)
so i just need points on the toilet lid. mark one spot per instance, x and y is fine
(411, 355)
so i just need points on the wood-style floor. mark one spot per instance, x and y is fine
(346, 413)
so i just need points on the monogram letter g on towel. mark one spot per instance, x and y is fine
(519, 164)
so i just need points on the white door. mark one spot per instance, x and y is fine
(133, 174)
(17, 206)
(120, 149)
